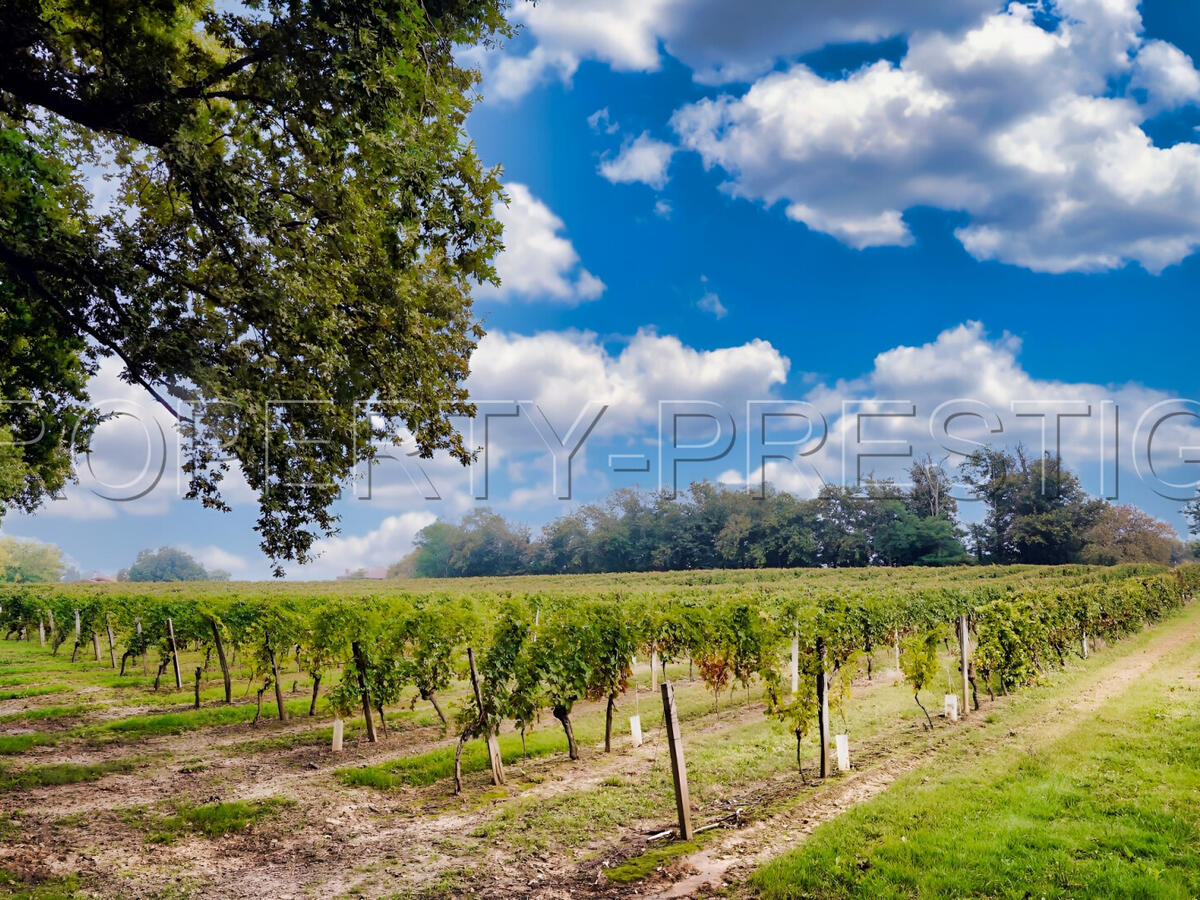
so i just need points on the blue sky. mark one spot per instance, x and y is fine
(816, 205)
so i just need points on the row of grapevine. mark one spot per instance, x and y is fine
(527, 650)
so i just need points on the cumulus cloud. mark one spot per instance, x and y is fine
(720, 42)
(965, 389)
(381, 546)
(643, 159)
(538, 260)
(1008, 122)
(563, 371)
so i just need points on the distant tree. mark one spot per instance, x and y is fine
(169, 564)
(1036, 512)
(1126, 534)
(930, 495)
(29, 561)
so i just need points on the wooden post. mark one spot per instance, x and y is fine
(823, 707)
(96, 644)
(493, 745)
(1083, 644)
(337, 735)
(112, 652)
(77, 632)
(963, 639)
(50, 614)
(653, 670)
(795, 662)
(41, 630)
(683, 803)
(174, 654)
(145, 671)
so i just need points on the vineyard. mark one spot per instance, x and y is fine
(483, 736)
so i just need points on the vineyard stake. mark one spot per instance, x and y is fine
(96, 644)
(174, 654)
(112, 653)
(962, 654)
(683, 804)
(76, 626)
(41, 631)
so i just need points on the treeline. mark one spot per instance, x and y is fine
(1037, 512)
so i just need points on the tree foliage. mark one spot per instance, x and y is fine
(169, 564)
(290, 221)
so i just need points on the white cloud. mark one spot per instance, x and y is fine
(711, 303)
(720, 41)
(601, 121)
(663, 209)
(380, 547)
(1167, 74)
(1008, 122)
(213, 557)
(538, 260)
(563, 371)
(643, 159)
(975, 372)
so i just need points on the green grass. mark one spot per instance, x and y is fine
(638, 867)
(63, 888)
(63, 773)
(19, 743)
(1107, 810)
(215, 819)
(34, 691)
(427, 768)
(46, 712)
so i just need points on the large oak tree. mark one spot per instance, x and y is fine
(243, 203)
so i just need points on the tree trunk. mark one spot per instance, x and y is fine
(823, 707)
(432, 698)
(275, 677)
(258, 712)
(360, 665)
(312, 707)
(96, 645)
(608, 720)
(462, 739)
(493, 746)
(974, 687)
(220, 645)
(560, 713)
(382, 721)
(800, 755)
(199, 672)
(127, 655)
(917, 697)
(75, 651)
(162, 667)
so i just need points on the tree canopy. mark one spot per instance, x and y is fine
(169, 564)
(268, 212)
(29, 561)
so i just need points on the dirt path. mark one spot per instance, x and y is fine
(734, 855)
